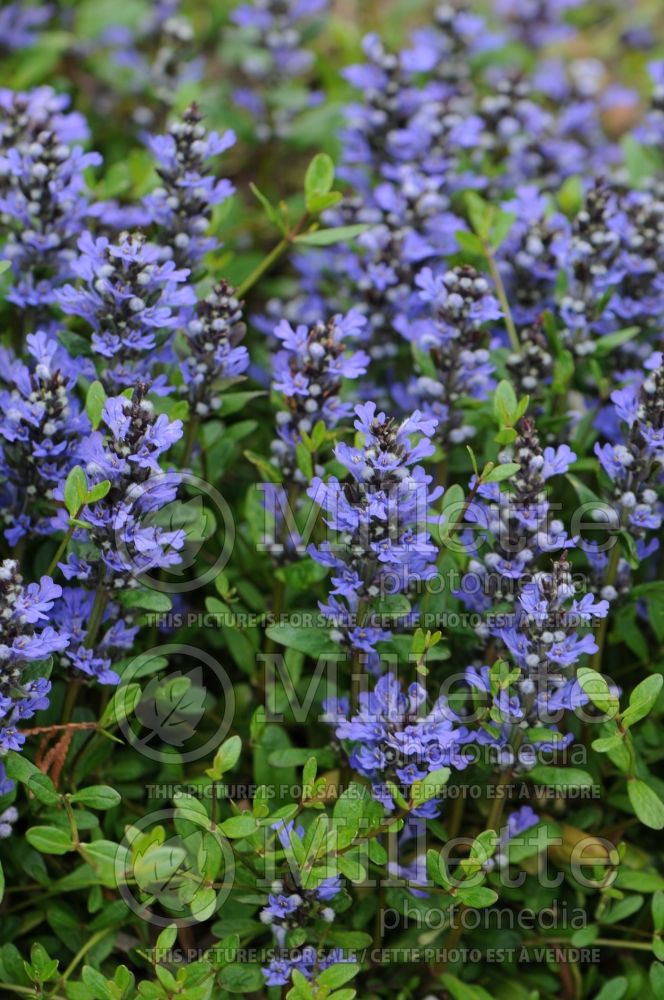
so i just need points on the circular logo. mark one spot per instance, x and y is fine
(176, 532)
(162, 701)
(174, 866)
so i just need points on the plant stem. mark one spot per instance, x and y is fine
(267, 262)
(82, 952)
(60, 550)
(502, 298)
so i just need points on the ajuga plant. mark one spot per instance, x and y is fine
(331, 462)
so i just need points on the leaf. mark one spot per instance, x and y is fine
(430, 787)
(98, 492)
(241, 978)
(50, 839)
(97, 797)
(642, 699)
(171, 707)
(318, 181)
(470, 243)
(464, 991)
(94, 403)
(312, 640)
(239, 826)
(609, 341)
(76, 490)
(562, 777)
(505, 403)
(226, 757)
(657, 978)
(327, 237)
(21, 769)
(646, 804)
(615, 989)
(336, 975)
(477, 897)
(500, 472)
(268, 207)
(597, 690)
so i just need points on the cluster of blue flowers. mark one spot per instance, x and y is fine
(382, 545)
(268, 45)
(28, 641)
(291, 907)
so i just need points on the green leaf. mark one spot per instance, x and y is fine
(562, 777)
(268, 207)
(658, 910)
(318, 181)
(500, 472)
(570, 196)
(327, 237)
(94, 403)
(505, 404)
(597, 690)
(76, 490)
(430, 787)
(241, 977)
(21, 769)
(50, 839)
(314, 641)
(642, 699)
(98, 492)
(226, 757)
(615, 989)
(646, 804)
(336, 975)
(239, 826)
(464, 991)
(97, 797)
(470, 242)
(657, 978)
(607, 343)
(477, 897)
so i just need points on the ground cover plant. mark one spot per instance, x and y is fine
(331, 454)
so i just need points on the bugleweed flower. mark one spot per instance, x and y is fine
(215, 355)
(26, 638)
(269, 37)
(20, 24)
(532, 367)
(74, 612)
(309, 370)
(132, 300)
(280, 970)
(123, 538)
(40, 428)
(532, 254)
(379, 513)
(291, 907)
(651, 130)
(182, 206)
(543, 638)
(42, 199)
(454, 335)
(393, 738)
(128, 542)
(635, 464)
(537, 23)
(158, 54)
(615, 260)
(518, 520)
